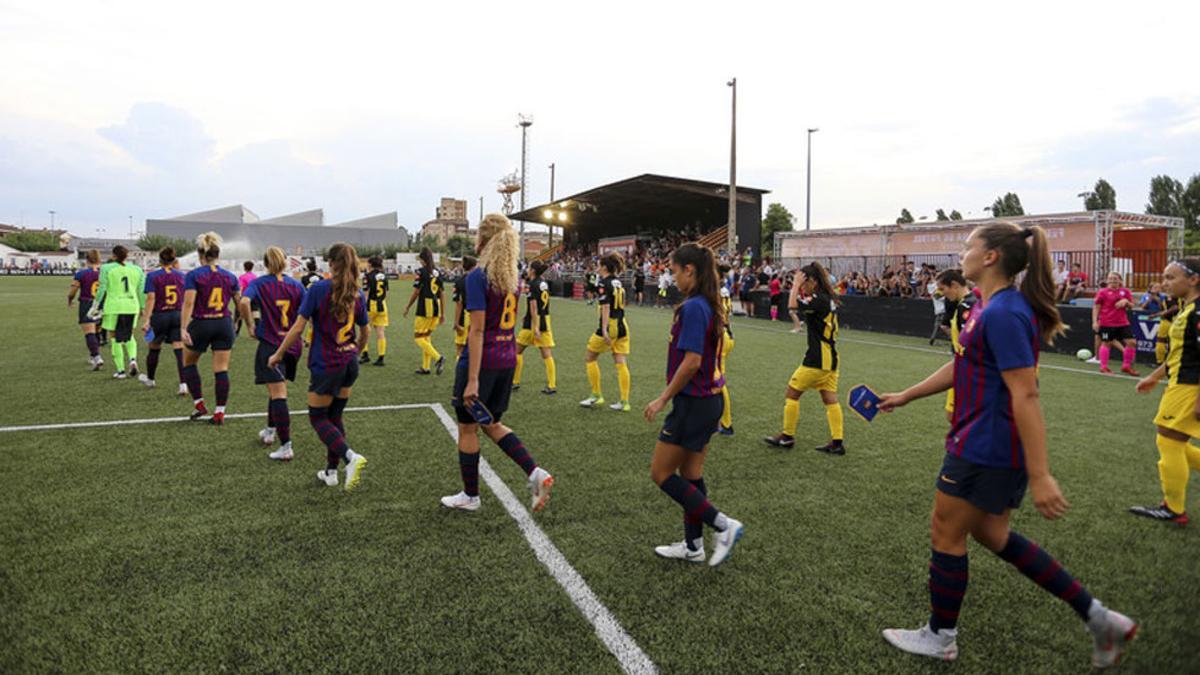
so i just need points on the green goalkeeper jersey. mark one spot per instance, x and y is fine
(121, 288)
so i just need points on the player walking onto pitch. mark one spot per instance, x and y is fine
(1110, 320)
(997, 444)
(277, 298)
(375, 285)
(694, 384)
(244, 280)
(953, 287)
(462, 318)
(119, 299)
(334, 306)
(208, 291)
(813, 295)
(611, 336)
(428, 289)
(86, 283)
(726, 425)
(483, 375)
(1178, 418)
(164, 297)
(536, 329)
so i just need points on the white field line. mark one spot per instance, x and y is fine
(160, 420)
(629, 655)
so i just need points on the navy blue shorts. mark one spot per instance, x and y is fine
(330, 381)
(85, 306)
(265, 374)
(495, 387)
(215, 333)
(989, 488)
(692, 421)
(165, 326)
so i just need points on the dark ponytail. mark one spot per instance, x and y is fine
(166, 255)
(1026, 249)
(817, 273)
(120, 253)
(708, 284)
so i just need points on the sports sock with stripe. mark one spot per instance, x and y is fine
(1045, 571)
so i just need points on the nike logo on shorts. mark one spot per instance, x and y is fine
(952, 482)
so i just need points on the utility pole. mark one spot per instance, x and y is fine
(808, 189)
(481, 208)
(550, 238)
(731, 227)
(52, 219)
(524, 121)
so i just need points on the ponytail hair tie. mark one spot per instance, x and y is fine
(1026, 232)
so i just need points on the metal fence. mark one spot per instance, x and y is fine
(1137, 268)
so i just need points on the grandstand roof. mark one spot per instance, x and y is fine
(641, 201)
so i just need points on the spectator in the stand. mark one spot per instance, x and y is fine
(1061, 276)
(639, 284)
(939, 309)
(748, 282)
(1076, 284)
(1153, 300)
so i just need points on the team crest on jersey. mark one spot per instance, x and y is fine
(616, 283)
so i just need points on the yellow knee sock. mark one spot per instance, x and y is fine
(421, 344)
(518, 369)
(833, 413)
(593, 370)
(727, 416)
(551, 373)
(434, 354)
(1173, 471)
(381, 346)
(623, 380)
(791, 416)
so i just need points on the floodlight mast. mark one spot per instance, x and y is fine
(524, 121)
(731, 223)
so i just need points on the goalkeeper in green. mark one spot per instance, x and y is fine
(119, 300)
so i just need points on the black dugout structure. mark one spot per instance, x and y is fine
(651, 203)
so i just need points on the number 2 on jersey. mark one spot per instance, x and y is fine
(345, 332)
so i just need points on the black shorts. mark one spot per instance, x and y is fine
(265, 374)
(124, 330)
(988, 488)
(1115, 333)
(165, 326)
(329, 382)
(215, 333)
(495, 387)
(591, 288)
(692, 421)
(85, 306)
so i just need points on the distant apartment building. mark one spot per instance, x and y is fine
(450, 219)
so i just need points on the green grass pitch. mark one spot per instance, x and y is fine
(177, 546)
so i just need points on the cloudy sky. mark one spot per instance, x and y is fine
(154, 109)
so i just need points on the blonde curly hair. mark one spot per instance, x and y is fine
(500, 249)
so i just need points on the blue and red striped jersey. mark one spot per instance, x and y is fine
(695, 330)
(215, 287)
(500, 317)
(167, 287)
(89, 283)
(1003, 335)
(334, 343)
(279, 300)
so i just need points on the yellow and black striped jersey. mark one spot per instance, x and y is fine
(727, 307)
(375, 285)
(957, 312)
(429, 285)
(820, 318)
(610, 292)
(539, 295)
(1183, 355)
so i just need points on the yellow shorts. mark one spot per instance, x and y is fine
(424, 324)
(950, 400)
(1160, 350)
(806, 379)
(726, 346)
(525, 338)
(597, 345)
(1177, 409)
(377, 317)
(460, 335)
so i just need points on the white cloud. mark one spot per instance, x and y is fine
(362, 108)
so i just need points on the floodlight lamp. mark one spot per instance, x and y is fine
(562, 216)
(548, 214)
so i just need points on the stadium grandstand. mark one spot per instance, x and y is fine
(301, 234)
(635, 214)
